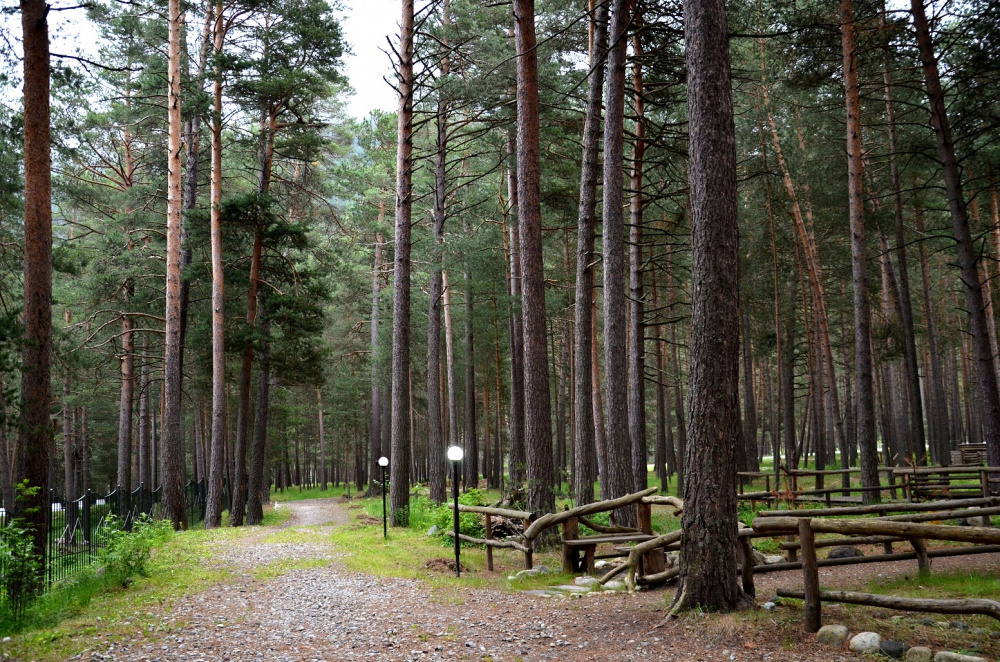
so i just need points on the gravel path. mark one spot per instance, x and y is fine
(328, 613)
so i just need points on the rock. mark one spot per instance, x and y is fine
(995, 634)
(959, 625)
(865, 642)
(948, 656)
(773, 559)
(831, 635)
(614, 585)
(534, 572)
(588, 581)
(570, 588)
(770, 606)
(894, 649)
(844, 552)
(542, 593)
(961, 521)
(433, 531)
(602, 564)
(927, 621)
(918, 654)
(758, 558)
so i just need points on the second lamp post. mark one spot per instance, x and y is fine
(455, 455)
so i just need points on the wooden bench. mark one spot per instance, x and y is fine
(579, 553)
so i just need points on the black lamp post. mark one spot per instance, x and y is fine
(384, 462)
(455, 454)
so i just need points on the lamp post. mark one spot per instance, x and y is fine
(384, 462)
(455, 455)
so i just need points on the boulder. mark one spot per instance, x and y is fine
(918, 654)
(433, 531)
(948, 656)
(571, 588)
(614, 585)
(773, 559)
(865, 642)
(893, 649)
(832, 635)
(844, 552)
(588, 582)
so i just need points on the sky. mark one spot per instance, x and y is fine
(366, 25)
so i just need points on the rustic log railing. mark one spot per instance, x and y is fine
(984, 540)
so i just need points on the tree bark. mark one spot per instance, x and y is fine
(471, 464)
(400, 467)
(749, 400)
(256, 487)
(145, 479)
(619, 469)
(859, 262)
(322, 441)
(375, 424)
(173, 431)
(989, 393)
(636, 326)
(518, 460)
(708, 548)
(125, 406)
(585, 457)
(537, 406)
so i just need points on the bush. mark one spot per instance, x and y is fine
(126, 553)
(19, 570)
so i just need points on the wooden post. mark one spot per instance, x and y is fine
(810, 575)
(984, 479)
(886, 546)
(653, 561)
(489, 548)
(923, 562)
(530, 545)
(748, 564)
(791, 554)
(570, 531)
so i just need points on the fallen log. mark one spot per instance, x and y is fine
(659, 577)
(931, 605)
(508, 544)
(552, 519)
(659, 500)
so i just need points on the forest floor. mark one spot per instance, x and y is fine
(288, 594)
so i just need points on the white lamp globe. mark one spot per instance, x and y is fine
(455, 453)
(383, 461)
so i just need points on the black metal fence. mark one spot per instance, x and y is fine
(79, 528)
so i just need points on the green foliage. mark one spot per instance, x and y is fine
(126, 553)
(19, 571)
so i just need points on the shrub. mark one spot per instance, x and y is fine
(126, 553)
(19, 570)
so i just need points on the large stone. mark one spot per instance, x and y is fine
(774, 559)
(570, 588)
(614, 585)
(948, 656)
(865, 642)
(534, 572)
(588, 581)
(832, 635)
(893, 649)
(844, 552)
(919, 654)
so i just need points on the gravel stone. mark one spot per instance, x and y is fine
(832, 635)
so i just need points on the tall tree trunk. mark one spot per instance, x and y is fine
(449, 347)
(938, 414)
(600, 431)
(471, 463)
(256, 486)
(69, 473)
(537, 407)
(859, 261)
(144, 477)
(989, 393)
(173, 431)
(125, 406)
(708, 549)
(435, 436)
(585, 457)
(517, 461)
(375, 425)
(636, 327)
(663, 465)
(749, 400)
(322, 440)
(620, 475)
(35, 439)
(213, 512)
(400, 467)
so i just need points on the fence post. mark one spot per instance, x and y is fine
(810, 574)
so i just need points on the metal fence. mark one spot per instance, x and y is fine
(79, 528)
